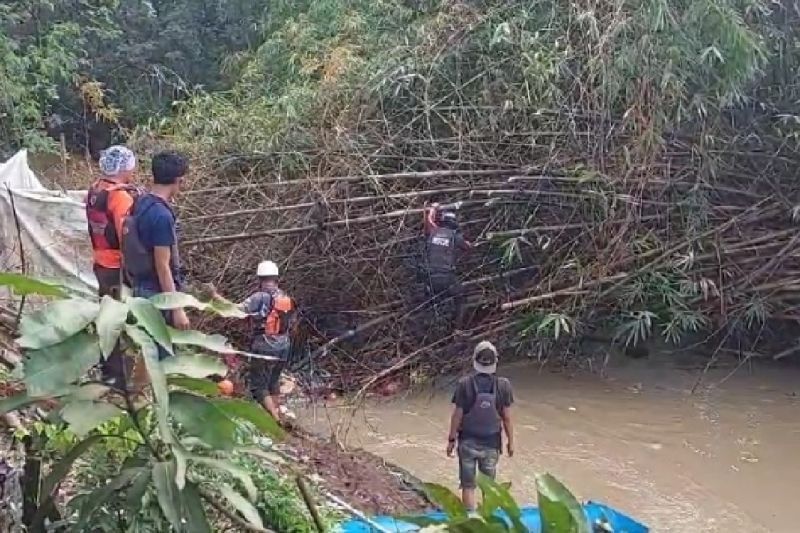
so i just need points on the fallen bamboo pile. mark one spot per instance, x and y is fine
(693, 257)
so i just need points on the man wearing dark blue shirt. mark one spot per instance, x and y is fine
(156, 228)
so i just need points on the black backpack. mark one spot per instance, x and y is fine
(136, 257)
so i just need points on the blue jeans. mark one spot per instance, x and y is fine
(144, 291)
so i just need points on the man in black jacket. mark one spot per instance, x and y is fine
(444, 242)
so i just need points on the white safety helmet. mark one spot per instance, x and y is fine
(267, 269)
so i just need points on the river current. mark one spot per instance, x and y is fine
(724, 458)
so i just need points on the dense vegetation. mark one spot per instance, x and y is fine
(643, 130)
(653, 144)
(151, 462)
(278, 67)
(79, 65)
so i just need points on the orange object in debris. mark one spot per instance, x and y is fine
(225, 387)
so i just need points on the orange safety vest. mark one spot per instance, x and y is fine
(101, 224)
(278, 320)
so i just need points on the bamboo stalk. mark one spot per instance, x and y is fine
(367, 177)
(338, 201)
(401, 213)
(575, 290)
(557, 227)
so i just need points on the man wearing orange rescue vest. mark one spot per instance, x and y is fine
(273, 314)
(107, 203)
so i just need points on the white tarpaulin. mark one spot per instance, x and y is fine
(52, 226)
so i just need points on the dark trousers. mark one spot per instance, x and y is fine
(445, 287)
(265, 376)
(115, 367)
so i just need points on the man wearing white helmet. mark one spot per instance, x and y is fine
(272, 314)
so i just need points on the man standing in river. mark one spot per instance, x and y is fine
(481, 413)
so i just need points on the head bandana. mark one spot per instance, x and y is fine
(117, 159)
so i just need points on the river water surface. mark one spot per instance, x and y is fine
(726, 458)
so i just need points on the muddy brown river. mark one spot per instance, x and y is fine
(726, 458)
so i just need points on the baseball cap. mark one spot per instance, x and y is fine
(484, 358)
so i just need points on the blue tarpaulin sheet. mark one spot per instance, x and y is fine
(595, 512)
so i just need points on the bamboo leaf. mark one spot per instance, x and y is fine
(226, 308)
(89, 391)
(175, 300)
(181, 463)
(56, 322)
(247, 510)
(18, 401)
(23, 285)
(133, 499)
(196, 520)
(52, 370)
(110, 322)
(167, 493)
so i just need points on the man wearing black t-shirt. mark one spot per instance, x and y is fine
(482, 413)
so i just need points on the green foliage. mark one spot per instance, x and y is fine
(201, 418)
(23, 285)
(279, 501)
(560, 511)
(51, 370)
(498, 513)
(446, 500)
(663, 299)
(68, 58)
(83, 416)
(546, 326)
(144, 471)
(55, 322)
(221, 306)
(241, 504)
(499, 63)
(183, 509)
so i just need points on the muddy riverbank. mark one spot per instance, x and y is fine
(721, 459)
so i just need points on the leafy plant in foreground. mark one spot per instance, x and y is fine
(172, 424)
(560, 511)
